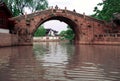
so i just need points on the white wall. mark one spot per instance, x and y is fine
(4, 30)
(46, 38)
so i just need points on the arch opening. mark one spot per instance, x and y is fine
(71, 24)
(55, 25)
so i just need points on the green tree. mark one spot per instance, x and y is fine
(18, 6)
(62, 33)
(109, 8)
(41, 31)
(68, 34)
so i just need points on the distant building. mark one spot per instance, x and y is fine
(6, 25)
(51, 36)
(51, 32)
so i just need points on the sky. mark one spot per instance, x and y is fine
(81, 6)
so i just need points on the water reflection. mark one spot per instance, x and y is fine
(95, 63)
(56, 61)
(21, 65)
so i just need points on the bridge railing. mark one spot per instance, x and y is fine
(55, 10)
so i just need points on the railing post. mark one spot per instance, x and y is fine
(56, 7)
(65, 10)
(84, 15)
(52, 9)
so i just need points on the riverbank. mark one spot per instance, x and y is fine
(47, 39)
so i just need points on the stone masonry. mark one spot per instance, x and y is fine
(87, 30)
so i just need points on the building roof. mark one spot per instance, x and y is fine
(48, 30)
(4, 7)
(51, 30)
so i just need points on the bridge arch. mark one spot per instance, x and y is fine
(66, 20)
(86, 28)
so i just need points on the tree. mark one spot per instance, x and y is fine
(62, 33)
(68, 34)
(41, 31)
(109, 8)
(18, 6)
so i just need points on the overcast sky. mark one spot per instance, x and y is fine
(80, 6)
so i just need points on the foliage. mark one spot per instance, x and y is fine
(62, 33)
(109, 8)
(68, 34)
(18, 6)
(41, 31)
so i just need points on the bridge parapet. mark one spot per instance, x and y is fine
(57, 10)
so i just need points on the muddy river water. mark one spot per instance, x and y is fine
(55, 61)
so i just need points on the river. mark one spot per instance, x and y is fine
(55, 61)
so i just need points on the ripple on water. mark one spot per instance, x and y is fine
(60, 62)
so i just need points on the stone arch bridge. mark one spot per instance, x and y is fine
(87, 30)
